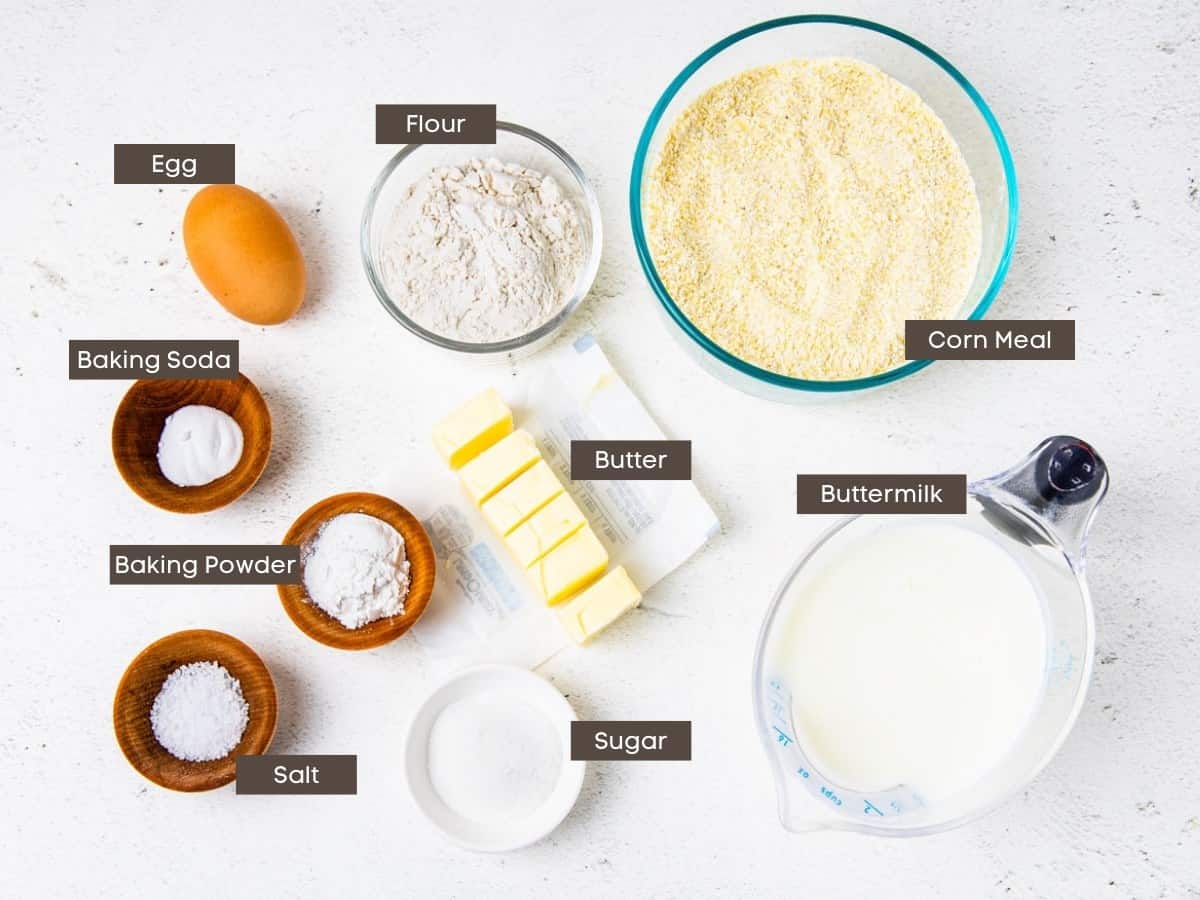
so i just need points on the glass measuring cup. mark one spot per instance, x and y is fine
(1039, 512)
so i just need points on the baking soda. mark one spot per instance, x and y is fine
(198, 445)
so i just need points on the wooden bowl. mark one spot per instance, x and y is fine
(144, 679)
(138, 425)
(320, 626)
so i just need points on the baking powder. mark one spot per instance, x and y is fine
(355, 569)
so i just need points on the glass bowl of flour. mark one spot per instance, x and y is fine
(483, 249)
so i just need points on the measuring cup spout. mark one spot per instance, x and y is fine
(798, 811)
(1061, 483)
(791, 771)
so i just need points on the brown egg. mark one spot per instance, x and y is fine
(244, 254)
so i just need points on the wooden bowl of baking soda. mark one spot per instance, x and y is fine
(191, 446)
(189, 705)
(367, 571)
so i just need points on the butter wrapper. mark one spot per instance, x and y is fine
(483, 608)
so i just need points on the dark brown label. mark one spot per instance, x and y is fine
(194, 564)
(461, 123)
(101, 360)
(631, 740)
(173, 164)
(631, 460)
(303, 774)
(890, 494)
(1004, 339)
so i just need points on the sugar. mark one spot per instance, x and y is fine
(494, 758)
(199, 714)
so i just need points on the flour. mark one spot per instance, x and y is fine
(482, 252)
(355, 569)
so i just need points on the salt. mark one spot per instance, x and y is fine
(494, 758)
(199, 714)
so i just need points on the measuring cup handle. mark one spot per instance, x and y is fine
(1062, 483)
(1068, 470)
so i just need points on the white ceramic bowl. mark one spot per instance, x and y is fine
(518, 832)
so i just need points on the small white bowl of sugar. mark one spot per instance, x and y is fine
(488, 758)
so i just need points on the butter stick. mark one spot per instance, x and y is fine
(545, 530)
(472, 428)
(569, 567)
(593, 610)
(525, 495)
(498, 465)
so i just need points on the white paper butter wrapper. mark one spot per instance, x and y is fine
(483, 608)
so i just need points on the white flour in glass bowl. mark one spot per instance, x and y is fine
(482, 252)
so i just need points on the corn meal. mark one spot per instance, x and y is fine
(799, 213)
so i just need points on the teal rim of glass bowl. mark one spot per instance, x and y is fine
(643, 250)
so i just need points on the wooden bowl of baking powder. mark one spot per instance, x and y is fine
(322, 627)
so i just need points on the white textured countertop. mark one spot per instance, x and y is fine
(1098, 103)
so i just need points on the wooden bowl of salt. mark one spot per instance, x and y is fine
(141, 684)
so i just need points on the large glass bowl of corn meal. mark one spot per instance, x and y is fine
(806, 185)
(482, 249)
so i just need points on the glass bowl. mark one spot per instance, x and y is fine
(515, 144)
(911, 63)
